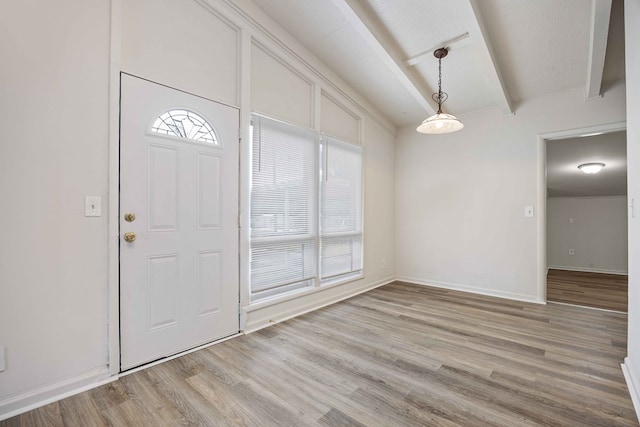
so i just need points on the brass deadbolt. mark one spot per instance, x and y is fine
(129, 217)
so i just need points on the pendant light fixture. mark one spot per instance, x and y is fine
(440, 122)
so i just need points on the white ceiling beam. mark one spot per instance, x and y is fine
(386, 49)
(487, 59)
(600, 14)
(451, 44)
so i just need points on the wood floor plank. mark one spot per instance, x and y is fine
(400, 355)
(606, 291)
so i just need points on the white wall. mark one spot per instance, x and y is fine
(53, 260)
(54, 264)
(632, 35)
(597, 234)
(461, 196)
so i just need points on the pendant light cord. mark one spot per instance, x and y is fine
(439, 85)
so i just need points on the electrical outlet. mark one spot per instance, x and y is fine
(572, 252)
(383, 263)
(3, 359)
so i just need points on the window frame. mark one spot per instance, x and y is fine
(325, 141)
(315, 283)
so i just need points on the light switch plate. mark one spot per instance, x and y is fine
(93, 206)
(528, 211)
(3, 364)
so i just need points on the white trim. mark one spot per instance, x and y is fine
(113, 239)
(588, 307)
(472, 289)
(244, 179)
(576, 132)
(277, 315)
(633, 384)
(541, 220)
(588, 270)
(52, 392)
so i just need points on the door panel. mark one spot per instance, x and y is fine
(179, 176)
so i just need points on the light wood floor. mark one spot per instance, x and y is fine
(401, 355)
(608, 291)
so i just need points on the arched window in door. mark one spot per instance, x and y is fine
(185, 124)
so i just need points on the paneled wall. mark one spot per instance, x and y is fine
(58, 315)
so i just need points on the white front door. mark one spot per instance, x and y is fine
(178, 221)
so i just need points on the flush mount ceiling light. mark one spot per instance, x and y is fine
(591, 167)
(440, 122)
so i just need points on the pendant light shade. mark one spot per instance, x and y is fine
(440, 122)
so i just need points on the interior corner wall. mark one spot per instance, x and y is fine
(631, 365)
(54, 86)
(594, 227)
(461, 196)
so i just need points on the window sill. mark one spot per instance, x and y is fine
(277, 299)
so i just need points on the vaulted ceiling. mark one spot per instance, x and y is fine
(502, 52)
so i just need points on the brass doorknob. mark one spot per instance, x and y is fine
(129, 217)
(129, 236)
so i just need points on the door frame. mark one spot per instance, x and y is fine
(541, 222)
(113, 220)
(113, 168)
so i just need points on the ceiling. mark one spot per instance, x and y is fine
(564, 179)
(501, 52)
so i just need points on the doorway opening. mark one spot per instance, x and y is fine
(586, 219)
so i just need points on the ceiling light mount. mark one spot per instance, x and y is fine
(591, 168)
(440, 122)
(440, 52)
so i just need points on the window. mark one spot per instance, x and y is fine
(306, 208)
(283, 207)
(185, 124)
(340, 208)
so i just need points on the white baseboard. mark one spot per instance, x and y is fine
(17, 404)
(633, 384)
(587, 270)
(472, 289)
(261, 317)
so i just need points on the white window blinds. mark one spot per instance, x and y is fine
(284, 175)
(340, 208)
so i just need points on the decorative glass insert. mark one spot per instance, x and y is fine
(185, 124)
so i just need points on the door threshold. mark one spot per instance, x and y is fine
(175, 356)
(587, 306)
